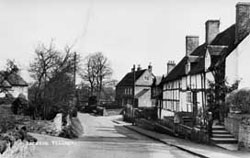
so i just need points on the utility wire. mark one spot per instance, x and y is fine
(86, 24)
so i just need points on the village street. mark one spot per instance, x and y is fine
(104, 137)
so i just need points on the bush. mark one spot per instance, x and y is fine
(20, 105)
(8, 99)
(239, 100)
(6, 123)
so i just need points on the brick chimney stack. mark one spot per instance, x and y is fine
(150, 67)
(212, 30)
(192, 42)
(170, 66)
(138, 67)
(242, 28)
(133, 68)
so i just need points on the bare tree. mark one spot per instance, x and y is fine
(96, 72)
(11, 66)
(44, 63)
(41, 70)
(104, 71)
(89, 73)
(54, 72)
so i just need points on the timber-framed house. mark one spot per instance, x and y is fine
(185, 87)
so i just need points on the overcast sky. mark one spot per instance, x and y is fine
(127, 31)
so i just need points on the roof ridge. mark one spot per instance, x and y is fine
(224, 38)
(128, 79)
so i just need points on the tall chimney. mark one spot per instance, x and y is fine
(138, 67)
(150, 68)
(133, 68)
(212, 30)
(242, 28)
(192, 42)
(170, 66)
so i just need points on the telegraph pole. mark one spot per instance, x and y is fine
(133, 85)
(75, 69)
(133, 109)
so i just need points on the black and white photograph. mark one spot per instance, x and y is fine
(124, 78)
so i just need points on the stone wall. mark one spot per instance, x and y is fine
(232, 124)
(239, 126)
(244, 137)
(58, 122)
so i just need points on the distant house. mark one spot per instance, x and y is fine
(14, 84)
(135, 88)
(184, 88)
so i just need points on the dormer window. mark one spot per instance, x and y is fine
(187, 68)
(207, 60)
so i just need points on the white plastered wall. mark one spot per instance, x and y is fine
(237, 64)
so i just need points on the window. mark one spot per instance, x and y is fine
(170, 105)
(188, 82)
(146, 78)
(164, 104)
(126, 91)
(189, 100)
(189, 97)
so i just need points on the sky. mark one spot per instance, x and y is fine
(126, 31)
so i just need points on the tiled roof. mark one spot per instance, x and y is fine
(5, 84)
(225, 38)
(178, 71)
(128, 79)
(217, 47)
(12, 80)
(16, 80)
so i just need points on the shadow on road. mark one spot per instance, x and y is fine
(113, 134)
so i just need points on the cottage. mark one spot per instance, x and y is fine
(135, 88)
(14, 84)
(185, 87)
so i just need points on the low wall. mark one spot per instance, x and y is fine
(232, 124)
(244, 137)
(239, 126)
(58, 122)
(200, 136)
(192, 133)
(20, 149)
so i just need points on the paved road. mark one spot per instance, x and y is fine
(103, 138)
